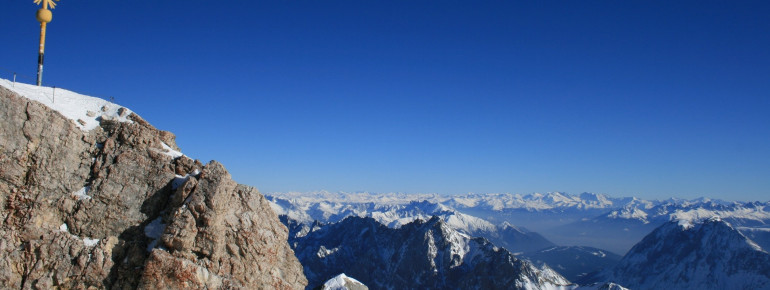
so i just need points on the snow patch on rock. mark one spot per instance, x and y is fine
(90, 242)
(82, 194)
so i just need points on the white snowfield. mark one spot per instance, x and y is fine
(84, 110)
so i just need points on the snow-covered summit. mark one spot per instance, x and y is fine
(84, 110)
(343, 282)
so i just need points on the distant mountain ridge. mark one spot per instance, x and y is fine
(492, 201)
(597, 220)
(505, 235)
(621, 208)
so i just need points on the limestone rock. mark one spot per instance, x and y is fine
(77, 209)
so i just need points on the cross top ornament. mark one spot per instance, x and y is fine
(47, 3)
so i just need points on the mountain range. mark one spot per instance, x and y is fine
(586, 219)
(590, 227)
(506, 235)
(421, 254)
(684, 254)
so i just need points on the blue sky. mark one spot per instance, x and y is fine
(648, 98)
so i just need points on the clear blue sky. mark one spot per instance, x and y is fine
(647, 98)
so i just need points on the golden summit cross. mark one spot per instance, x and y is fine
(43, 16)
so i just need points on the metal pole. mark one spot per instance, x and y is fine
(40, 54)
(43, 16)
(14, 80)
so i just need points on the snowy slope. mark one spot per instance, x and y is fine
(759, 235)
(84, 111)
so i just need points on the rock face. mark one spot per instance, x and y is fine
(419, 255)
(115, 208)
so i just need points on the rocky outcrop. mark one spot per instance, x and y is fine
(115, 208)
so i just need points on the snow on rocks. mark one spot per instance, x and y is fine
(90, 242)
(179, 179)
(84, 111)
(323, 252)
(82, 194)
(171, 152)
(154, 230)
(687, 220)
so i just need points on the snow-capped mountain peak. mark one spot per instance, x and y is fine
(693, 254)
